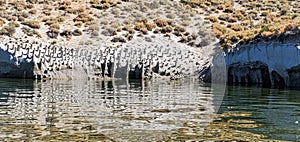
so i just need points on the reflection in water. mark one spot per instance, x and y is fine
(37, 110)
(89, 110)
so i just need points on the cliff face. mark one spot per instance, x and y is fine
(136, 60)
(275, 62)
(271, 63)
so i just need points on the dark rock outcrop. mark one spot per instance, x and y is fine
(249, 73)
(269, 63)
(12, 67)
(294, 76)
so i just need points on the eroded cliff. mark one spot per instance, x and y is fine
(137, 59)
(272, 62)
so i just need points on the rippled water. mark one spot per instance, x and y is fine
(91, 110)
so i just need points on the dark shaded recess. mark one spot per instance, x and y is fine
(136, 73)
(167, 74)
(155, 69)
(294, 76)
(246, 74)
(110, 84)
(52, 34)
(66, 33)
(109, 69)
(103, 69)
(10, 70)
(38, 76)
(24, 70)
(39, 65)
(278, 81)
(205, 75)
(163, 73)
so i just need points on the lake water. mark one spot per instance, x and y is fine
(91, 110)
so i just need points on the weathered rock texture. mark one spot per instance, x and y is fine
(271, 62)
(137, 59)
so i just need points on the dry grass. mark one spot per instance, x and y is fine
(161, 22)
(83, 17)
(139, 26)
(150, 26)
(33, 11)
(212, 19)
(32, 24)
(8, 30)
(55, 26)
(171, 15)
(179, 28)
(2, 22)
(232, 25)
(252, 19)
(167, 29)
(31, 32)
(129, 29)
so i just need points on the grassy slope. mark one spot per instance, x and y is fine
(238, 21)
(233, 21)
(103, 20)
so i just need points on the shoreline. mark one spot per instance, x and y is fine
(153, 39)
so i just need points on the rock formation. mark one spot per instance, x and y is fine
(273, 62)
(135, 60)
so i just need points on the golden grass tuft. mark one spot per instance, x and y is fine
(161, 22)
(32, 11)
(83, 17)
(219, 30)
(2, 22)
(129, 29)
(167, 29)
(212, 19)
(55, 26)
(8, 30)
(150, 26)
(32, 24)
(235, 27)
(143, 26)
(139, 26)
(179, 28)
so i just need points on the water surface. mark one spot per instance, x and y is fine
(92, 110)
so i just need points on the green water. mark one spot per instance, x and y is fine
(89, 110)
